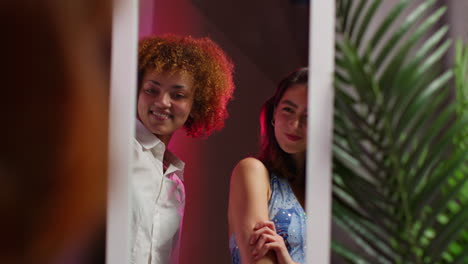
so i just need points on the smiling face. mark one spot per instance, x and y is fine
(291, 120)
(164, 102)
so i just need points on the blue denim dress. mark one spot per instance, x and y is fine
(289, 218)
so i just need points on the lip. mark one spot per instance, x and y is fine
(160, 115)
(293, 137)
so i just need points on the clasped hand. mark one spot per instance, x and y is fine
(265, 239)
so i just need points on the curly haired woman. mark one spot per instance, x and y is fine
(182, 82)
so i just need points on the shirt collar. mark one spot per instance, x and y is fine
(151, 142)
(175, 164)
(147, 139)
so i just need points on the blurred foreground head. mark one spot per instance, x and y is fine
(53, 116)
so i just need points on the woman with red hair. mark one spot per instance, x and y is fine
(183, 82)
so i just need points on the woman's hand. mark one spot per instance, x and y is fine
(265, 239)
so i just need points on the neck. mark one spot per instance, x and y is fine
(299, 161)
(298, 185)
(165, 139)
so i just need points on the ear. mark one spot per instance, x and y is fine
(190, 119)
(273, 113)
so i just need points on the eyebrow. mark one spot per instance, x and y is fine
(288, 102)
(176, 86)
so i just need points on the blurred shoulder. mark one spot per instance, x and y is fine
(250, 171)
(250, 164)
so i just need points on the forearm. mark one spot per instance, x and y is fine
(269, 258)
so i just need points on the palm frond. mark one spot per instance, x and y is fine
(400, 167)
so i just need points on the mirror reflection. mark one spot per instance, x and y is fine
(191, 56)
(268, 192)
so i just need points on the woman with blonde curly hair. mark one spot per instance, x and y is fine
(182, 82)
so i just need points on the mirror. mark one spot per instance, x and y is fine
(242, 33)
(266, 41)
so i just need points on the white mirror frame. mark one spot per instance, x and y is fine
(121, 128)
(320, 130)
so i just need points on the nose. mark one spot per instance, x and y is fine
(295, 123)
(163, 100)
(298, 122)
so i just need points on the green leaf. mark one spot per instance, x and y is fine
(348, 254)
(383, 28)
(355, 16)
(400, 144)
(366, 21)
(405, 27)
(446, 235)
(368, 242)
(401, 54)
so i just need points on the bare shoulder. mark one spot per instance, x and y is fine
(250, 172)
(250, 165)
(250, 168)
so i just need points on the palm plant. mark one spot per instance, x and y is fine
(400, 149)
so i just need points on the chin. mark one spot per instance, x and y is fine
(159, 132)
(293, 150)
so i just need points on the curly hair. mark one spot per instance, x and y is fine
(210, 68)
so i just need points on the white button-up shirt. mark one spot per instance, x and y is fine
(158, 200)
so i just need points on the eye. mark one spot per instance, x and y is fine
(177, 96)
(287, 109)
(150, 91)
